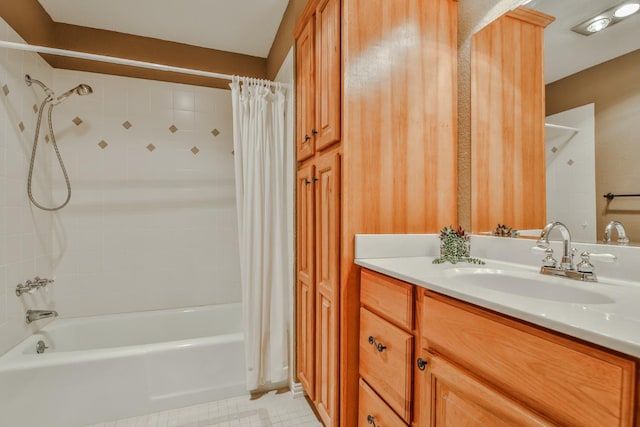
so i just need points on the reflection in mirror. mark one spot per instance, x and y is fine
(593, 119)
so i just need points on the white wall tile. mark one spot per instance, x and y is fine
(144, 230)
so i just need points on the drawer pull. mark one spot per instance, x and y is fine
(379, 346)
(422, 364)
(372, 420)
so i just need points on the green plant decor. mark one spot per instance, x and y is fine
(455, 247)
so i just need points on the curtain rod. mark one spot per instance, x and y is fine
(122, 61)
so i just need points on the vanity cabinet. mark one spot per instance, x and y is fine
(318, 78)
(386, 348)
(474, 367)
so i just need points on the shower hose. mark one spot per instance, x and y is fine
(33, 158)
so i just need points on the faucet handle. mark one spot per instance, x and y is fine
(585, 265)
(604, 257)
(549, 260)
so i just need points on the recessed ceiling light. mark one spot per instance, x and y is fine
(607, 18)
(626, 10)
(598, 25)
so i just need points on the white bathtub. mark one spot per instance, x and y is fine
(109, 367)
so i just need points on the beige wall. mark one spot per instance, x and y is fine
(35, 26)
(284, 37)
(614, 88)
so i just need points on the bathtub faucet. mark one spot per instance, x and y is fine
(33, 315)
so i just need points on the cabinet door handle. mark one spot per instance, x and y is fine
(378, 345)
(315, 179)
(422, 364)
(314, 132)
(372, 420)
(306, 138)
(307, 182)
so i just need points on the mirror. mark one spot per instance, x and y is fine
(593, 119)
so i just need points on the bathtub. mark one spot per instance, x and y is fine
(109, 367)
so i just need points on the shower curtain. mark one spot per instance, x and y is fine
(261, 185)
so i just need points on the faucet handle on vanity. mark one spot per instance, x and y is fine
(604, 257)
(585, 265)
(549, 260)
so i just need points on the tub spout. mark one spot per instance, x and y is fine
(33, 315)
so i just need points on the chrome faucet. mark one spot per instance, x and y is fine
(33, 315)
(543, 242)
(584, 270)
(622, 233)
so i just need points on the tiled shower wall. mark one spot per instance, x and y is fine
(25, 232)
(152, 220)
(151, 223)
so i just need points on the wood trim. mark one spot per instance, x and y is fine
(306, 14)
(531, 16)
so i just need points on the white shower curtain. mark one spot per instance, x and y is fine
(261, 185)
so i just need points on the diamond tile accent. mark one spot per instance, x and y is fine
(554, 150)
(173, 129)
(46, 137)
(77, 121)
(127, 125)
(102, 144)
(21, 126)
(35, 108)
(215, 132)
(151, 147)
(5, 89)
(570, 162)
(195, 150)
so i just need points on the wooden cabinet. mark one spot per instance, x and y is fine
(474, 367)
(507, 122)
(317, 283)
(568, 382)
(305, 91)
(372, 409)
(318, 79)
(327, 208)
(317, 328)
(387, 342)
(305, 278)
(457, 398)
(393, 126)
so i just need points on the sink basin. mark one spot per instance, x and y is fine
(527, 284)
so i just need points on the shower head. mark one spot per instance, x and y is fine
(81, 89)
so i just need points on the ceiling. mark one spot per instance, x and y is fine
(567, 52)
(241, 26)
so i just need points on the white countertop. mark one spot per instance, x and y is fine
(613, 321)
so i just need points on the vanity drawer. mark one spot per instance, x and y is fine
(390, 298)
(385, 361)
(569, 382)
(371, 407)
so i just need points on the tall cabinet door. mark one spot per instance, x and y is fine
(305, 96)
(327, 197)
(305, 290)
(328, 75)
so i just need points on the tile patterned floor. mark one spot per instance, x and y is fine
(273, 409)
